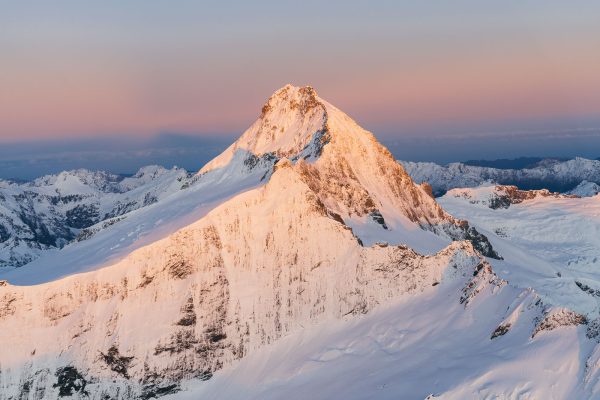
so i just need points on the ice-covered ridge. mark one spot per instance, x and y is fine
(586, 189)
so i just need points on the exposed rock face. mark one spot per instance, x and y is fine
(353, 175)
(290, 120)
(507, 195)
(483, 278)
(556, 318)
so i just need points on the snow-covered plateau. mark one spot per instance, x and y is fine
(302, 262)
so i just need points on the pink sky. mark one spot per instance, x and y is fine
(99, 72)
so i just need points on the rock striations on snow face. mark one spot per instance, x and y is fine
(259, 266)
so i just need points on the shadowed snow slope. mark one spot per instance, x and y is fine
(46, 214)
(586, 189)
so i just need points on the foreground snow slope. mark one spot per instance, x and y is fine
(423, 344)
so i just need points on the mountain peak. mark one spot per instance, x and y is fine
(351, 173)
(288, 121)
(291, 98)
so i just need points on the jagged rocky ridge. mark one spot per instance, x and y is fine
(55, 210)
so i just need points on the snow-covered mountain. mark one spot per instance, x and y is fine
(54, 210)
(585, 189)
(555, 175)
(301, 262)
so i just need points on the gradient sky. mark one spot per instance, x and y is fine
(85, 69)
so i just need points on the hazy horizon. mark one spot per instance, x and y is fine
(27, 160)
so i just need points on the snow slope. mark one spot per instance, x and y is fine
(551, 243)
(109, 241)
(506, 343)
(428, 344)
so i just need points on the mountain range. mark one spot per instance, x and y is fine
(52, 211)
(553, 174)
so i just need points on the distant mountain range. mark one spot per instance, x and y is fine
(514, 163)
(556, 175)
